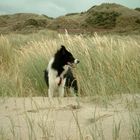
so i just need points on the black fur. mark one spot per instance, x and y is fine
(62, 57)
(71, 81)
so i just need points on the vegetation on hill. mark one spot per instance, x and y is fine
(137, 9)
(112, 16)
(102, 20)
(23, 23)
(105, 17)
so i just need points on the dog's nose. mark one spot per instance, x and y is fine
(76, 61)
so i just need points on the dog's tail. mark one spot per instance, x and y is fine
(46, 77)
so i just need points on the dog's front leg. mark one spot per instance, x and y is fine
(50, 93)
(61, 88)
(61, 91)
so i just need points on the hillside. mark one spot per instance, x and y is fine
(105, 17)
(23, 23)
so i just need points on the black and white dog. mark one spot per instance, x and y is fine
(58, 74)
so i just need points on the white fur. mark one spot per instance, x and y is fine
(54, 88)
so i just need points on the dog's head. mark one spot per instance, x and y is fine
(66, 57)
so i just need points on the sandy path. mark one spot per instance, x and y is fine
(67, 119)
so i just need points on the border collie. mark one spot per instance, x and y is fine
(58, 74)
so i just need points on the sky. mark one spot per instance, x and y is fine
(55, 8)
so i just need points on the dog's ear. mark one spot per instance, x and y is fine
(63, 49)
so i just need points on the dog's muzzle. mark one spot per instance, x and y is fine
(76, 61)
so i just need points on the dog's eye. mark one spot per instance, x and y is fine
(71, 57)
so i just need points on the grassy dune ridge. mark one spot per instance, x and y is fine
(108, 64)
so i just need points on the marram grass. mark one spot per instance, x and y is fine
(108, 64)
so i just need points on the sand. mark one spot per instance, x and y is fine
(69, 118)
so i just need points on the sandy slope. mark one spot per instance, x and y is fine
(66, 118)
